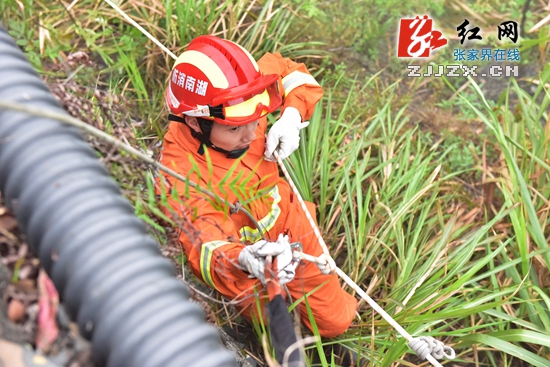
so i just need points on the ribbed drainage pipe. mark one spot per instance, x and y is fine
(108, 271)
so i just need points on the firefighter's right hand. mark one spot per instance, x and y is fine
(284, 135)
(252, 258)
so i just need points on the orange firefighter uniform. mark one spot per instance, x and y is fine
(213, 237)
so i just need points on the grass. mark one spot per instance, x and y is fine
(432, 263)
(451, 241)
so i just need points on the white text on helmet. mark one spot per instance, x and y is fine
(188, 82)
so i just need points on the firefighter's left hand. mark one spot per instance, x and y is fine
(284, 135)
(286, 265)
(252, 258)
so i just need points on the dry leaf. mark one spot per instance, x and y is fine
(48, 303)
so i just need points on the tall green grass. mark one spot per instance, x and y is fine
(399, 224)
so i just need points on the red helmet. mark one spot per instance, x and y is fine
(219, 80)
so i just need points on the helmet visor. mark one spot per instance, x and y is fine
(243, 104)
(253, 106)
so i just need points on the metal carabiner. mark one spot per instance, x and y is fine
(297, 248)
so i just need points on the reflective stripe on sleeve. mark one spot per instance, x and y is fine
(207, 250)
(295, 79)
(266, 223)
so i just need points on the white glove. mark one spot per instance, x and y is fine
(285, 134)
(252, 258)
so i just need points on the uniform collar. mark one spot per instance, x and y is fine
(204, 138)
(250, 158)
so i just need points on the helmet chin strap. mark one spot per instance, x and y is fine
(204, 138)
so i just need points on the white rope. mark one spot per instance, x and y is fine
(419, 343)
(302, 204)
(134, 23)
(425, 346)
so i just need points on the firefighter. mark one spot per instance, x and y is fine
(219, 97)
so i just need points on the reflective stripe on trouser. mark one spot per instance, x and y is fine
(332, 307)
(295, 79)
(266, 223)
(207, 250)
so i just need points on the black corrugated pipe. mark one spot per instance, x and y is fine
(108, 271)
